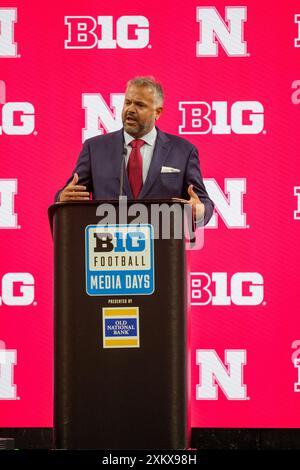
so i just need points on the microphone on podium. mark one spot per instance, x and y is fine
(123, 169)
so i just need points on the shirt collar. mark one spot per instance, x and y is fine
(148, 138)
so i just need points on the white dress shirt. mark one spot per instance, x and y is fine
(146, 150)
(147, 153)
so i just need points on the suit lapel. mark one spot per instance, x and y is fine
(160, 153)
(117, 146)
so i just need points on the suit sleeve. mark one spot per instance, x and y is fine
(83, 168)
(193, 176)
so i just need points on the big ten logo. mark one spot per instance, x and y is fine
(8, 190)
(8, 359)
(213, 373)
(119, 247)
(119, 242)
(17, 290)
(8, 18)
(295, 98)
(242, 117)
(106, 32)
(218, 288)
(296, 362)
(229, 204)
(297, 39)
(119, 259)
(228, 32)
(297, 194)
(16, 118)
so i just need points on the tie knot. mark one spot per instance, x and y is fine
(137, 143)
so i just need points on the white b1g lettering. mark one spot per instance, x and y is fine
(245, 288)
(17, 119)
(17, 289)
(246, 117)
(127, 32)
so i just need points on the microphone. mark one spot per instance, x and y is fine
(123, 167)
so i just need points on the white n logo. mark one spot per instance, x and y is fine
(8, 190)
(8, 16)
(213, 371)
(297, 194)
(97, 112)
(297, 40)
(212, 26)
(297, 384)
(230, 208)
(8, 358)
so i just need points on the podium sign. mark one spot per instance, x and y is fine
(119, 259)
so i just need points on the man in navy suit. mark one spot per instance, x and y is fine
(163, 166)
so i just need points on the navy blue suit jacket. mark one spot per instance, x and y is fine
(99, 169)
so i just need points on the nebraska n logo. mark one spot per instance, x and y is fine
(230, 34)
(8, 16)
(8, 359)
(297, 40)
(214, 374)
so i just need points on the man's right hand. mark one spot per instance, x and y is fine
(74, 192)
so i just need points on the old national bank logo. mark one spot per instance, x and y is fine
(107, 32)
(121, 327)
(119, 259)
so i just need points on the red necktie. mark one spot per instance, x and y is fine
(135, 167)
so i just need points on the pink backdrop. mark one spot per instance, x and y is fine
(232, 88)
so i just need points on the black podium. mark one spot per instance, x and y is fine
(120, 333)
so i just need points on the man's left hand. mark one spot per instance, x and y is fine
(197, 206)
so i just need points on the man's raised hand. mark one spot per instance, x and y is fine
(197, 206)
(74, 192)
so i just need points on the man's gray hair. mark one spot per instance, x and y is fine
(152, 83)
